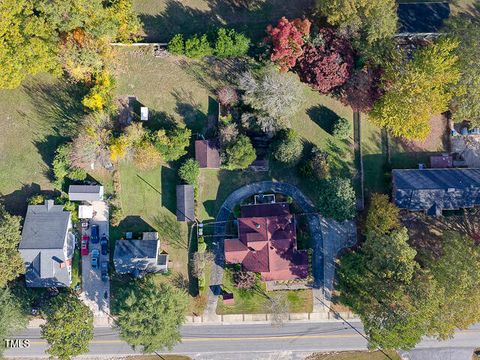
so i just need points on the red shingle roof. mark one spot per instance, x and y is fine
(207, 154)
(268, 244)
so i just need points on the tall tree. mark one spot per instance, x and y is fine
(417, 89)
(466, 104)
(11, 263)
(151, 316)
(13, 319)
(382, 216)
(239, 154)
(69, 327)
(336, 199)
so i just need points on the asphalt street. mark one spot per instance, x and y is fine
(257, 341)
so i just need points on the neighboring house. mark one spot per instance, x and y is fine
(47, 245)
(185, 203)
(267, 243)
(139, 256)
(207, 154)
(421, 19)
(87, 193)
(435, 190)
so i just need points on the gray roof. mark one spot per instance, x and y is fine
(136, 255)
(45, 235)
(434, 190)
(185, 203)
(422, 18)
(85, 192)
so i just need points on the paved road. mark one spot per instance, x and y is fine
(93, 288)
(227, 207)
(261, 341)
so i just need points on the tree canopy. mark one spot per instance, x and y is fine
(151, 316)
(11, 263)
(336, 199)
(69, 327)
(417, 89)
(239, 154)
(13, 319)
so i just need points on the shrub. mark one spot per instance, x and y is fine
(177, 45)
(146, 156)
(227, 96)
(62, 168)
(198, 47)
(100, 95)
(37, 199)
(230, 43)
(287, 39)
(239, 154)
(189, 171)
(342, 128)
(288, 149)
(244, 280)
(118, 148)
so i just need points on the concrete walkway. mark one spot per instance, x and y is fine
(317, 226)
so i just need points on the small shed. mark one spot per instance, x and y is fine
(185, 203)
(144, 113)
(87, 193)
(207, 154)
(85, 212)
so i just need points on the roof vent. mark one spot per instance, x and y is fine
(257, 226)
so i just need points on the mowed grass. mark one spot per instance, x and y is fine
(164, 18)
(374, 158)
(256, 301)
(355, 355)
(34, 119)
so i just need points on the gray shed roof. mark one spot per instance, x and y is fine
(422, 18)
(136, 255)
(85, 192)
(185, 203)
(45, 237)
(434, 190)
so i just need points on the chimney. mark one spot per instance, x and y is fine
(49, 204)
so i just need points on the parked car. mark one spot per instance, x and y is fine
(94, 234)
(95, 258)
(104, 268)
(84, 246)
(104, 245)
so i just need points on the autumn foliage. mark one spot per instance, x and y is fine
(327, 62)
(363, 89)
(287, 39)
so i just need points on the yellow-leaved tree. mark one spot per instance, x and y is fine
(417, 89)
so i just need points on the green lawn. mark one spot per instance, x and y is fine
(255, 301)
(374, 158)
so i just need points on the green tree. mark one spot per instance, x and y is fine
(382, 216)
(189, 171)
(239, 154)
(418, 89)
(11, 263)
(466, 104)
(69, 327)
(13, 319)
(37, 199)
(336, 199)
(63, 169)
(176, 45)
(147, 309)
(128, 24)
(173, 144)
(289, 147)
(342, 128)
(230, 43)
(369, 21)
(198, 47)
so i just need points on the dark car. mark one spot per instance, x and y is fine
(104, 245)
(95, 258)
(104, 268)
(94, 234)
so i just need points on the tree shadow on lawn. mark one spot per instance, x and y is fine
(323, 117)
(186, 106)
(16, 202)
(252, 20)
(169, 180)
(47, 147)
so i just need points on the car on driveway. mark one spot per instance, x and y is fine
(104, 268)
(95, 258)
(104, 245)
(84, 245)
(94, 234)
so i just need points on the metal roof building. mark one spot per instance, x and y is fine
(185, 203)
(435, 190)
(85, 193)
(47, 245)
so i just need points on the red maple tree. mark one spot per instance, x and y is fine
(363, 89)
(326, 65)
(287, 39)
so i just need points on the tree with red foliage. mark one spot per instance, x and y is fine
(327, 61)
(363, 89)
(287, 39)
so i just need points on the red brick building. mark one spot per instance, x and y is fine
(267, 243)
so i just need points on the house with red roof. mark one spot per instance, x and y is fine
(267, 243)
